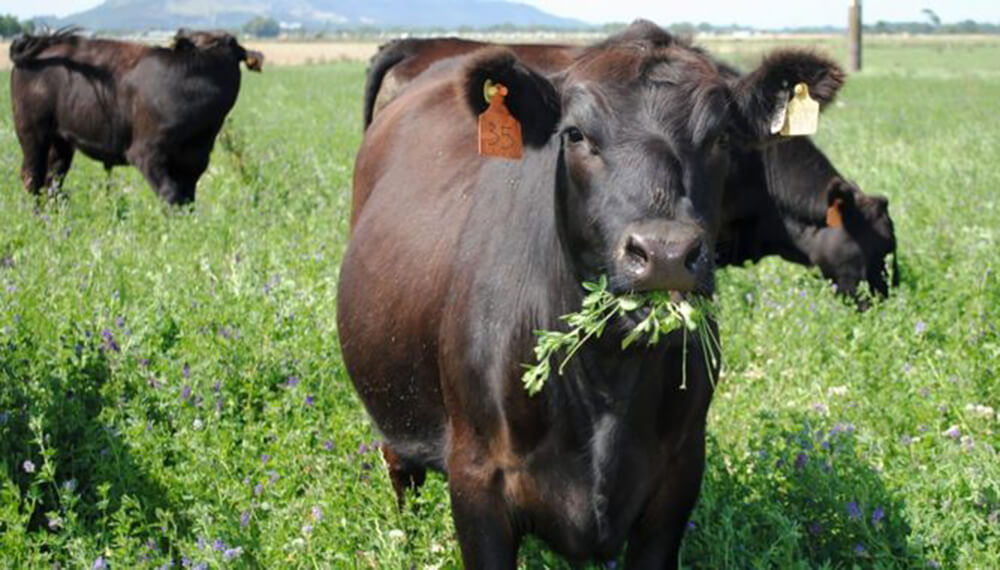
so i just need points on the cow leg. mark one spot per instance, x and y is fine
(655, 542)
(485, 533)
(404, 474)
(153, 162)
(60, 159)
(35, 163)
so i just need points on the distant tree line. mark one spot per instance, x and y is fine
(11, 26)
(933, 27)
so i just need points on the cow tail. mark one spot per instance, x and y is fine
(27, 47)
(24, 48)
(388, 55)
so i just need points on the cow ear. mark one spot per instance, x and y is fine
(760, 95)
(531, 98)
(839, 190)
(839, 201)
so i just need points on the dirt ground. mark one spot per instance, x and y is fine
(284, 53)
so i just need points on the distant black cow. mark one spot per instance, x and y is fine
(789, 200)
(156, 108)
(776, 200)
(455, 259)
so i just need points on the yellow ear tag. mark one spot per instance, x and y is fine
(802, 114)
(499, 131)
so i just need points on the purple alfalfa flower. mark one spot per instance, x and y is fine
(800, 461)
(815, 529)
(258, 489)
(310, 400)
(244, 519)
(317, 513)
(109, 340)
(29, 466)
(854, 511)
(218, 405)
(362, 448)
(292, 381)
(273, 477)
(919, 328)
(691, 526)
(185, 562)
(859, 549)
(120, 322)
(328, 445)
(186, 371)
(186, 392)
(218, 545)
(200, 566)
(201, 543)
(232, 553)
(820, 408)
(264, 458)
(953, 432)
(878, 515)
(217, 386)
(611, 565)
(307, 529)
(99, 564)
(967, 443)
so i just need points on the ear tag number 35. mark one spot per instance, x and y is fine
(499, 131)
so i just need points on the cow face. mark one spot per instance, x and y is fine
(858, 245)
(642, 124)
(218, 42)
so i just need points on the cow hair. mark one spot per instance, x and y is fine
(532, 99)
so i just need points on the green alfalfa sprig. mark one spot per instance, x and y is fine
(598, 308)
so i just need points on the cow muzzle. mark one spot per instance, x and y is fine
(254, 60)
(663, 256)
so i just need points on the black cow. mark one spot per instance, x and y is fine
(156, 108)
(775, 203)
(455, 259)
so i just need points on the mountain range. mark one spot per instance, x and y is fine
(139, 15)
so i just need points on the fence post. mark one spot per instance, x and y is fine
(854, 33)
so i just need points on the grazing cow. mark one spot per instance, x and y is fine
(775, 203)
(798, 206)
(456, 258)
(156, 108)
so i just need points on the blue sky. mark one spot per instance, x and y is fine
(758, 13)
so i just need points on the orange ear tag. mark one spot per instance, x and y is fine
(833, 217)
(499, 131)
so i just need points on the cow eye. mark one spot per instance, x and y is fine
(574, 135)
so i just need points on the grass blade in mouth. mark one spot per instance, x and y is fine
(599, 307)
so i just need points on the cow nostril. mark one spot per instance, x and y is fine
(692, 257)
(635, 251)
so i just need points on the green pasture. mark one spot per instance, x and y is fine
(172, 391)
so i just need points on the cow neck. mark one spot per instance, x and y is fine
(600, 379)
(797, 175)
